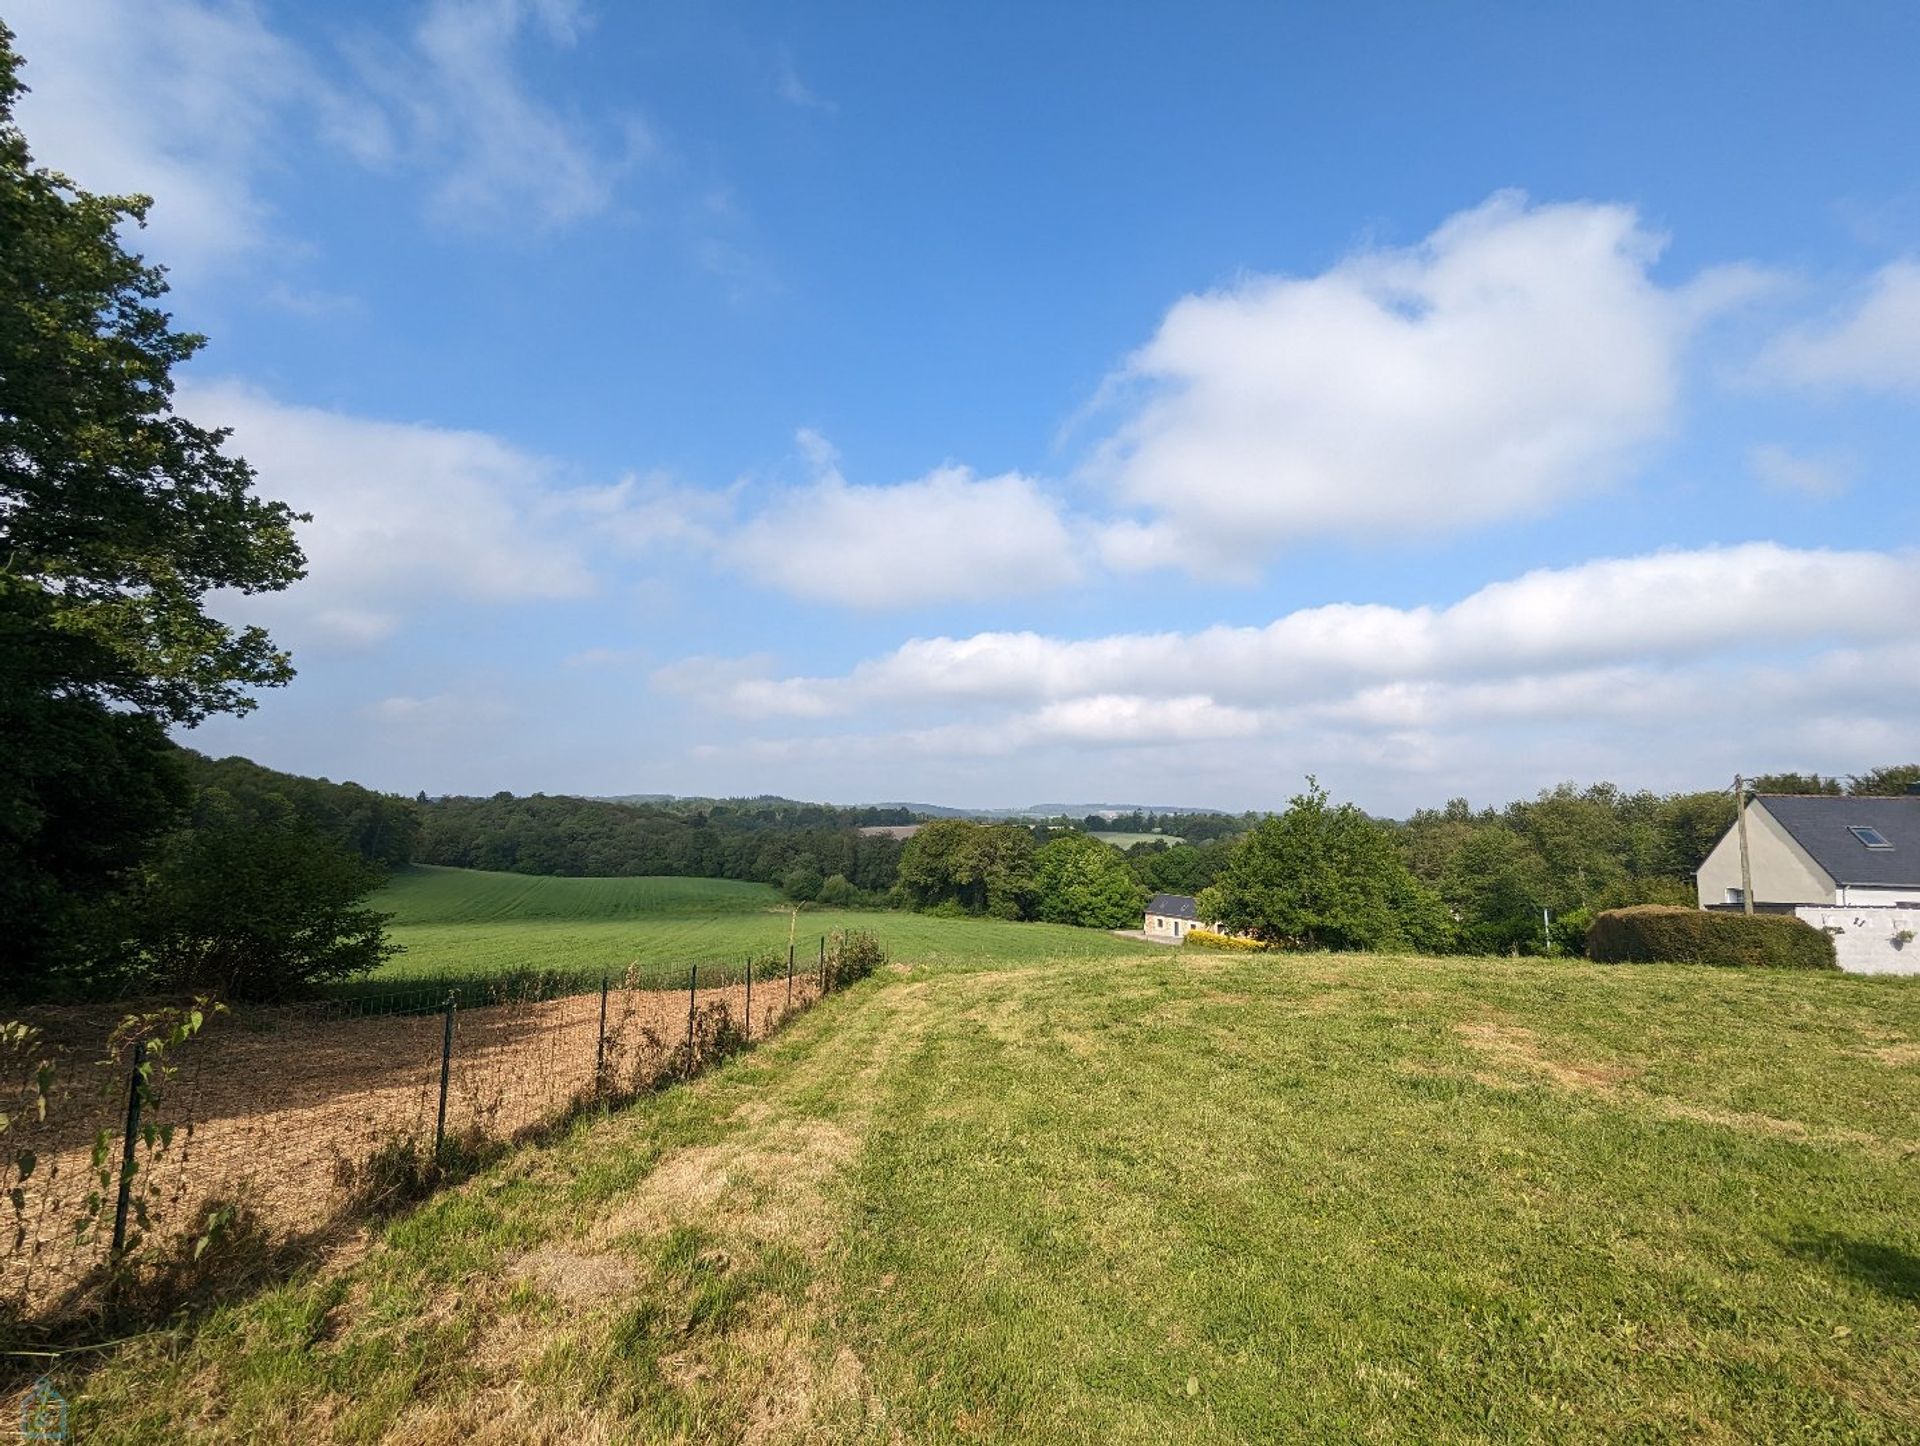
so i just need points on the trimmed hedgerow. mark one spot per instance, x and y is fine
(1207, 939)
(1672, 935)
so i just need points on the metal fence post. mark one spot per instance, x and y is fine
(127, 1162)
(749, 999)
(789, 976)
(600, 1044)
(693, 993)
(446, 1070)
(823, 966)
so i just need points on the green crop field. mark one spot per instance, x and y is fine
(466, 924)
(1152, 1198)
(425, 895)
(1128, 840)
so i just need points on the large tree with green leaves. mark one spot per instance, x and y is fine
(1080, 880)
(118, 517)
(1324, 875)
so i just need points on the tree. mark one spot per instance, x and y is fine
(1496, 884)
(117, 518)
(1080, 880)
(803, 882)
(260, 912)
(1794, 783)
(974, 867)
(1322, 875)
(1894, 778)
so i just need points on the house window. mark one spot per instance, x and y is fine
(1871, 837)
(1736, 896)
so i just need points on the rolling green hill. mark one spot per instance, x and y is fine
(427, 895)
(470, 924)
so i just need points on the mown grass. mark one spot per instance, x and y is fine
(1158, 1199)
(467, 924)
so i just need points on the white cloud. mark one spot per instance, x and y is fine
(948, 535)
(199, 105)
(456, 104)
(795, 92)
(1666, 608)
(1787, 471)
(1874, 342)
(174, 99)
(404, 515)
(1517, 357)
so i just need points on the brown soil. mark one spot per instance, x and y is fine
(281, 1110)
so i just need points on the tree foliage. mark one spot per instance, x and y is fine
(259, 911)
(117, 518)
(1080, 880)
(762, 840)
(1324, 875)
(973, 868)
(120, 514)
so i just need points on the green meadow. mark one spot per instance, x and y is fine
(1029, 1185)
(467, 924)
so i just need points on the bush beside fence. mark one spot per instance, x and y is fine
(121, 1167)
(1666, 933)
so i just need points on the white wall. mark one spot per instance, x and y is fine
(1865, 939)
(1851, 894)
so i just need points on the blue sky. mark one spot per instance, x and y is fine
(995, 403)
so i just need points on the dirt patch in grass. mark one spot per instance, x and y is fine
(579, 1278)
(762, 1189)
(1518, 1049)
(1751, 1123)
(1897, 1055)
(1518, 1054)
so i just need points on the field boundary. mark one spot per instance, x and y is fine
(272, 1124)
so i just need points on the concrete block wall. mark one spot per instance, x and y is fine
(1867, 938)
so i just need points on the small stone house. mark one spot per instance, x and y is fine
(1170, 916)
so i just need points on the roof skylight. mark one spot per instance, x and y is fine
(1871, 837)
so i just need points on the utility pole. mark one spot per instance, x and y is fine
(1746, 860)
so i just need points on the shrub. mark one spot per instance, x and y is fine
(856, 954)
(1668, 934)
(1207, 939)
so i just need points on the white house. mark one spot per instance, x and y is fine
(1847, 866)
(1820, 849)
(1170, 916)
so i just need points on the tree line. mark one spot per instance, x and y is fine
(768, 841)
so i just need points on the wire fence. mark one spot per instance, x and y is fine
(124, 1163)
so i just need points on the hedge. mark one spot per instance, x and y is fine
(1673, 935)
(1207, 939)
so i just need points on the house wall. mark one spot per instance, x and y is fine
(1868, 940)
(1866, 894)
(1782, 871)
(1165, 926)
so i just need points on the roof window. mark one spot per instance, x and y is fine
(1871, 837)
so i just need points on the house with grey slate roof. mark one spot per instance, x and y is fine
(1170, 916)
(1820, 849)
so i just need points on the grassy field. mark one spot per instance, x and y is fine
(1159, 1198)
(463, 923)
(1128, 840)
